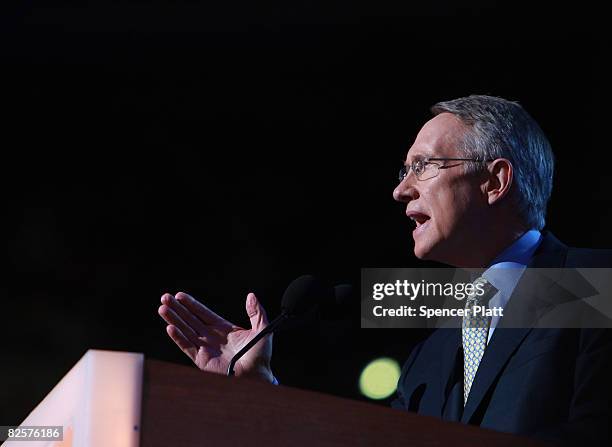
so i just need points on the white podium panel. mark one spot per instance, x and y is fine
(97, 403)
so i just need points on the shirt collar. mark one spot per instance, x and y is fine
(521, 250)
(507, 267)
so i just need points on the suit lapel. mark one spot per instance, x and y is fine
(448, 372)
(503, 344)
(506, 340)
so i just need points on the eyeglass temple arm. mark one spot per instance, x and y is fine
(460, 159)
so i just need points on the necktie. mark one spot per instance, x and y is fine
(475, 331)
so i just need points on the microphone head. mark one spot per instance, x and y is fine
(304, 295)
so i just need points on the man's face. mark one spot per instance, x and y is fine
(449, 208)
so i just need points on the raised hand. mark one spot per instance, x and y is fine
(211, 341)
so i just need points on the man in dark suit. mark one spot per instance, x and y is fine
(476, 182)
(546, 382)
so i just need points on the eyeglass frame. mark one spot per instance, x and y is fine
(405, 170)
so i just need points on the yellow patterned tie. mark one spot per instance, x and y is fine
(475, 331)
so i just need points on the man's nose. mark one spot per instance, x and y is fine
(405, 191)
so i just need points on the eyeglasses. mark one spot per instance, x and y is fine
(427, 168)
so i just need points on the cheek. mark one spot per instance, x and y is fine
(449, 207)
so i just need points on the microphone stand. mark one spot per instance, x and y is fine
(267, 330)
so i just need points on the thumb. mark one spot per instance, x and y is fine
(256, 313)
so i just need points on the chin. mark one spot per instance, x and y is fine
(431, 252)
(422, 253)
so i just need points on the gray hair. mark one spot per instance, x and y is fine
(503, 129)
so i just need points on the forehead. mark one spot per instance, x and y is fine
(441, 136)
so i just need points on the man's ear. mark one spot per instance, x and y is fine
(499, 178)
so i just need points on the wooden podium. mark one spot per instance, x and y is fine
(153, 403)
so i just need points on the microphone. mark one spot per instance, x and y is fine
(302, 297)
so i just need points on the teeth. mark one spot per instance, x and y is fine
(419, 220)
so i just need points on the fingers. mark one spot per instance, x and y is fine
(202, 312)
(256, 313)
(183, 342)
(188, 317)
(172, 318)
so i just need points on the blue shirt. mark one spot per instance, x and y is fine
(507, 268)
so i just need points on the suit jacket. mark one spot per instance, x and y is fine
(543, 382)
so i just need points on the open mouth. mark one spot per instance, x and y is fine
(421, 220)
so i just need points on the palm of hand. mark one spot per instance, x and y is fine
(211, 342)
(215, 357)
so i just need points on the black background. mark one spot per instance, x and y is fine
(225, 148)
